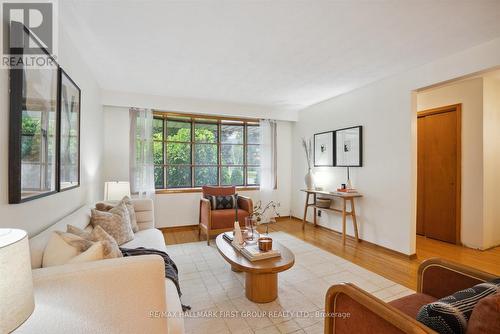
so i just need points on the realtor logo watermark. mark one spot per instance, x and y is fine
(29, 33)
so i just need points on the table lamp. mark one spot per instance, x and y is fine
(116, 190)
(16, 282)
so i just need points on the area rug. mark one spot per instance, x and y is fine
(217, 295)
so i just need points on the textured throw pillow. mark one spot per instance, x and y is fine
(79, 232)
(101, 206)
(451, 314)
(110, 247)
(94, 253)
(221, 202)
(485, 318)
(62, 247)
(116, 222)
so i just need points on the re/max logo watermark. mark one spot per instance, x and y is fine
(29, 33)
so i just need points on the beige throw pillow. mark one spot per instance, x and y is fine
(102, 206)
(94, 253)
(79, 232)
(110, 247)
(116, 222)
(62, 247)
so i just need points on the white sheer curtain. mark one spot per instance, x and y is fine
(268, 159)
(141, 152)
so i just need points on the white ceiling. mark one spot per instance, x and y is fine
(281, 55)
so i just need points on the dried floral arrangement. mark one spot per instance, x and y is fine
(259, 210)
(307, 145)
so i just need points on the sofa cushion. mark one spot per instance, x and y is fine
(94, 253)
(150, 238)
(110, 247)
(80, 218)
(62, 247)
(451, 314)
(410, 305)
(116, 222)
(225, 218)
(485, 318)
(106, 206)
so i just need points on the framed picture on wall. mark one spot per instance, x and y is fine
(33, 121)
(323, 149)
(69, 97)
(349, 147)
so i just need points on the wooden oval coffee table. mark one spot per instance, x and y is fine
(261, 277)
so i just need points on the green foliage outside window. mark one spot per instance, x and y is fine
(174, 156)
(30, 129)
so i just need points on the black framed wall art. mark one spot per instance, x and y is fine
(69, 99)
(44, 121)
(33, 121)
(349, 147)
(323, 149)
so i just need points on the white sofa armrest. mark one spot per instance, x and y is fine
(108, 296)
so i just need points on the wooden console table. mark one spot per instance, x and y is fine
(346, 197)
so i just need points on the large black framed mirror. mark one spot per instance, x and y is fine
(33, 122)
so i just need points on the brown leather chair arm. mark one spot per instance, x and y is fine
(349, 309)
(205, 212)
(440, 278)
(245, 203)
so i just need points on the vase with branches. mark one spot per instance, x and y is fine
(309, 178)
(260, 210)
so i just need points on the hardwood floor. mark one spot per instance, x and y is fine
(395, 267)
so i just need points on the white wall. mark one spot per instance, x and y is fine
(116, 144)
(491, 149)
(191, 105)
(182, 209)
(33, 216)
(470, 94)
(387, 111)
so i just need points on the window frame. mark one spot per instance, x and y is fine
(193, 120)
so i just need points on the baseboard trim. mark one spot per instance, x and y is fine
(178, 228)
(188, 227)
(280, 218)
(392, 251)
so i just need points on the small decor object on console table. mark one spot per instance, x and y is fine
(309, 178)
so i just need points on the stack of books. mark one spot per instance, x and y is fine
(251, 252)
(347, 191)
(228, 236)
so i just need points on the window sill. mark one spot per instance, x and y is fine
(198, 190)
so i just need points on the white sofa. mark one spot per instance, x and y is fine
(124, 295)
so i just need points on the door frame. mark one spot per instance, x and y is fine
(458, 109)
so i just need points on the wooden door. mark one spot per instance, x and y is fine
(438, 186)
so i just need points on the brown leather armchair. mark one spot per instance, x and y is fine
(437, 278)
(213, 222)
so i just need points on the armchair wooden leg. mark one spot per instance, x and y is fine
(208, 238)
(199, 232)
